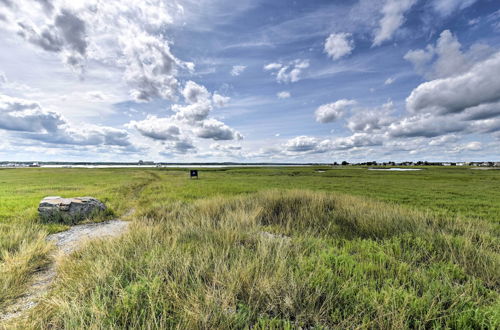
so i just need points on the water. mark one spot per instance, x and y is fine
(397, 169)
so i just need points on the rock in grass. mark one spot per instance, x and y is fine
(69, 210)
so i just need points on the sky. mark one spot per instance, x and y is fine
(249, 80)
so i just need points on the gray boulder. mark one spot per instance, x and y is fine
(69, 210)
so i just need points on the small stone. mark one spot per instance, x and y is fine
(69, 210)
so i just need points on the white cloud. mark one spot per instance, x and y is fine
(447, 7)
(333, 111)
(370, 120)
(393, 17)
(157, 128)
(237, 70)
(338, 45)
(195, 112)
(306, 144)
(120, 33)
(357, 140)
(194, 93)
(477, 86)
(273, 66)
(220, 101)
(290, 72)
(34, 123)
(283, 95)
(216, 130)
(389, 81)
(446, 58)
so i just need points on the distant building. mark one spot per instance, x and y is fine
(142, 162)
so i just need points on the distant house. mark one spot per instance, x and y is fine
(446, 164)
(142, 162)
(496, 164)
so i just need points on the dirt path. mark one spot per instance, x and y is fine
(66, 242)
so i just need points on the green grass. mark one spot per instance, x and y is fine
(244, 247)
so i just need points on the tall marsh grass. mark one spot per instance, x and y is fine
(281, 259)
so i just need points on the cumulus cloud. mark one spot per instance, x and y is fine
(289, 72)
(306, 144)
(425, 125)
(157, 128)
(357, 140)
(446, 58)
(393, 17)
(126, 34)
(237, 70)
(216, 130)
(284, 95)
(195, 112)
(33, 122)
(194, 93)
(220, 101)
(479, 85)
(26, 116)
(332, 111)
(338, 45)
(370, 120)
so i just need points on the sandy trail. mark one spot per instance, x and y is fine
(66, 242)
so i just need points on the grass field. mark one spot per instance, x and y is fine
(264, 247)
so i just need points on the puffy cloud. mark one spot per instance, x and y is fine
(237, 70)
(420, 58)
(220, 101)
(483, 111)
(332, 111)
(157, 128)
(393, 17)
(370, 120)
(26, 116)
(338, 45)
(126, 34)
(32, 122)
(477, 86)
(306, 144)
(194, 93)
(216, 130)
(446, 58)
(283, 95)
(195, 112)
(357, 140)
(290, 72)
(150, 67)
(425, 125)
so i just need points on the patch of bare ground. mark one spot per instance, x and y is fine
(65, 242)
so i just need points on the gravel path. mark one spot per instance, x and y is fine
(66, 242)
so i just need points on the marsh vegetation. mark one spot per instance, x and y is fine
(268, 248)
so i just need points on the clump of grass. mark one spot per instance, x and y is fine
(23, 251)
(330, 261)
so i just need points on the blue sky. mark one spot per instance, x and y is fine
(252, 81)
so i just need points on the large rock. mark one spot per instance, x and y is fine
(69, 210)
